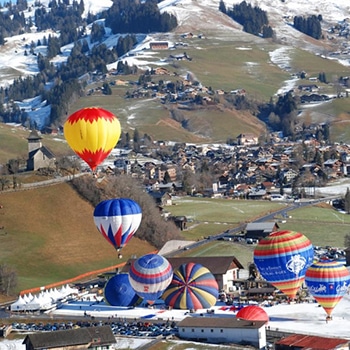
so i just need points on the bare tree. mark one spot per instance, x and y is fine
(154, 229)
(8, 279)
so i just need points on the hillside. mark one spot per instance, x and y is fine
(56, 238)
(223, 57)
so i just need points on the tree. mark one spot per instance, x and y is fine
(8, 279)
(347, 240)
(154, 229)
(106, 89)
(347, 201)
(166, 178)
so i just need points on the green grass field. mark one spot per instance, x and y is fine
(49, 235)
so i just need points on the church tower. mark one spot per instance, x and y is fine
(34, 141)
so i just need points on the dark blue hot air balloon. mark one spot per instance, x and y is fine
(117, 220)
(119, 292)
(193, 287)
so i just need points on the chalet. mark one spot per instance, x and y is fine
(311, 342)
(159, 45)
(257, 230)
(39, 156)
(308, 87)
(247, 139)
(226, 269)
(161, 198)
(221, 330)
(100, 337)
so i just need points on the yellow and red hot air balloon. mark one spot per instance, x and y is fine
(92, 133)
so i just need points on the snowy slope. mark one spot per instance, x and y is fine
(198, 17)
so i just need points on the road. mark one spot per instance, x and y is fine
(268, 217)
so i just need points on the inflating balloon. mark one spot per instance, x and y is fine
(282, 259)
(118, 291)
(193, 287)
(253, 313)
(92, 133)
(117, 220)
(150, 275)
(327, 281)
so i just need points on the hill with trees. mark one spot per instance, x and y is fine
(56, 239)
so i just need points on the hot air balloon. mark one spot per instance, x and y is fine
(327, 281)
(282, 259)
(149, 275)
(92, 133)
(253, 313)
(193, 287)
(118, 291)
(117, 220)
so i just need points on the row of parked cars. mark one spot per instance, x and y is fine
(120, 327)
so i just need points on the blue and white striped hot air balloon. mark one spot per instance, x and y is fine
(117, 220)
(150, 275)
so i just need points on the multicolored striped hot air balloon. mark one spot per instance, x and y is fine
(150, 275)
(117, 220)
(282, 259)
(92, 133)
(118, 291)
(253, 313)
(327, 281)
(193, 287)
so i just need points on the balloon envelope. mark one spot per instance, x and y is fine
(117, 220)
(252, 313)
(282, 259)
(327, 281)
(92, 133)
(193, 287)
(119, 292)
(150, 275)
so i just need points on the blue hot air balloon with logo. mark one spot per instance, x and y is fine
(282, 259)
(327, 281)
(117, 220)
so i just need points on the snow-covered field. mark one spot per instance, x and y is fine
(305, 318)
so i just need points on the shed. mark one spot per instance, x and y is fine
(223, 330)
(100, 337)
(259, 230)
(311, 342)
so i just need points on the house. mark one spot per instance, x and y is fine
(100, 337)
(39, 156)
(257, 230)
(311, 342)
(159, 45)
(247, 139)
(224, 268)
(161, 198)
(223, 330)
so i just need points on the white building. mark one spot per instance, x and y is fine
(223, 330)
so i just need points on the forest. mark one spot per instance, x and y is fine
(65, 18)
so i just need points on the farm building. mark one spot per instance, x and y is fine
(257, 230)
(223, 330)
(100, 337)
